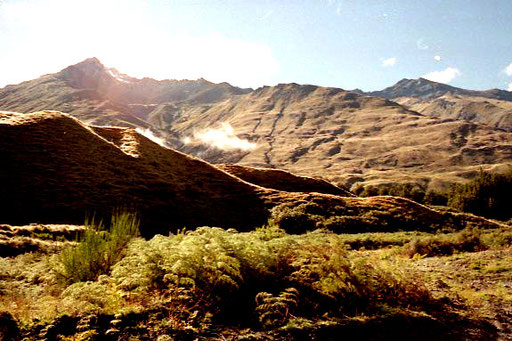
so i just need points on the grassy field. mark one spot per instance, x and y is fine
(212, 283)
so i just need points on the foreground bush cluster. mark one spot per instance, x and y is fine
(194, 281)
(264, 277)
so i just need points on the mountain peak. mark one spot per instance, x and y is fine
(88, 64)
(420, 87)
(86, 74)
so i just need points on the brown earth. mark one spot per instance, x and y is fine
(58, 169)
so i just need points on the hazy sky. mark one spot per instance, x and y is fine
(367, 44)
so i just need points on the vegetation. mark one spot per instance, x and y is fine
(98, 249)
(445, 244)
(260, 283)
(411, 191)
(487, 195)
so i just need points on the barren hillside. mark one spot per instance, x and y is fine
(492, 107)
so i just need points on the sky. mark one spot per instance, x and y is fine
(365, 44)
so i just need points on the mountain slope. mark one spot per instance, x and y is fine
(426, 89)
(492, 107)
(99, 95)
(347, 137)
(56, 169)
(342, 136)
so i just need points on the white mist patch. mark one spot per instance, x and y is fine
(223, 138)
(150, 135)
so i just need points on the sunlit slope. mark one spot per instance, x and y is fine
(347, 137)
(492, 107)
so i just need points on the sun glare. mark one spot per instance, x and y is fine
(122, 35)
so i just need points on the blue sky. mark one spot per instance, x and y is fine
(366, 44)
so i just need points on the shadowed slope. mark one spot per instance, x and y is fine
(56, 169)
(283, 181)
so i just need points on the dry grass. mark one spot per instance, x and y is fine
(283, 180)
(65, 169)
(309, 130)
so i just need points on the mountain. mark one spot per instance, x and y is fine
(100, 95)
(492, 107)
(56, 169)
(426, 89)
(343, 136)
(346, 137)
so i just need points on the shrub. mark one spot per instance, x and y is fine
(249, 275)
(275, 311)
(445, 245)
(410, 191)
(436, 198)
(97, 249)
(295, 219)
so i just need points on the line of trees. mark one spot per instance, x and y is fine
(487, 195)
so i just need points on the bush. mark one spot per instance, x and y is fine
(445, 245)
(275, 311)
(410, 191)
(250, 276)
(295, 219)
(97, 249)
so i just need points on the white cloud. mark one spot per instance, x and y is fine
(437, 58)
(509, 87)
(420, 44)
(508, 69)
(389, 61)
(445, 76)
(150, 135)
(44, 36)
(223, 138)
